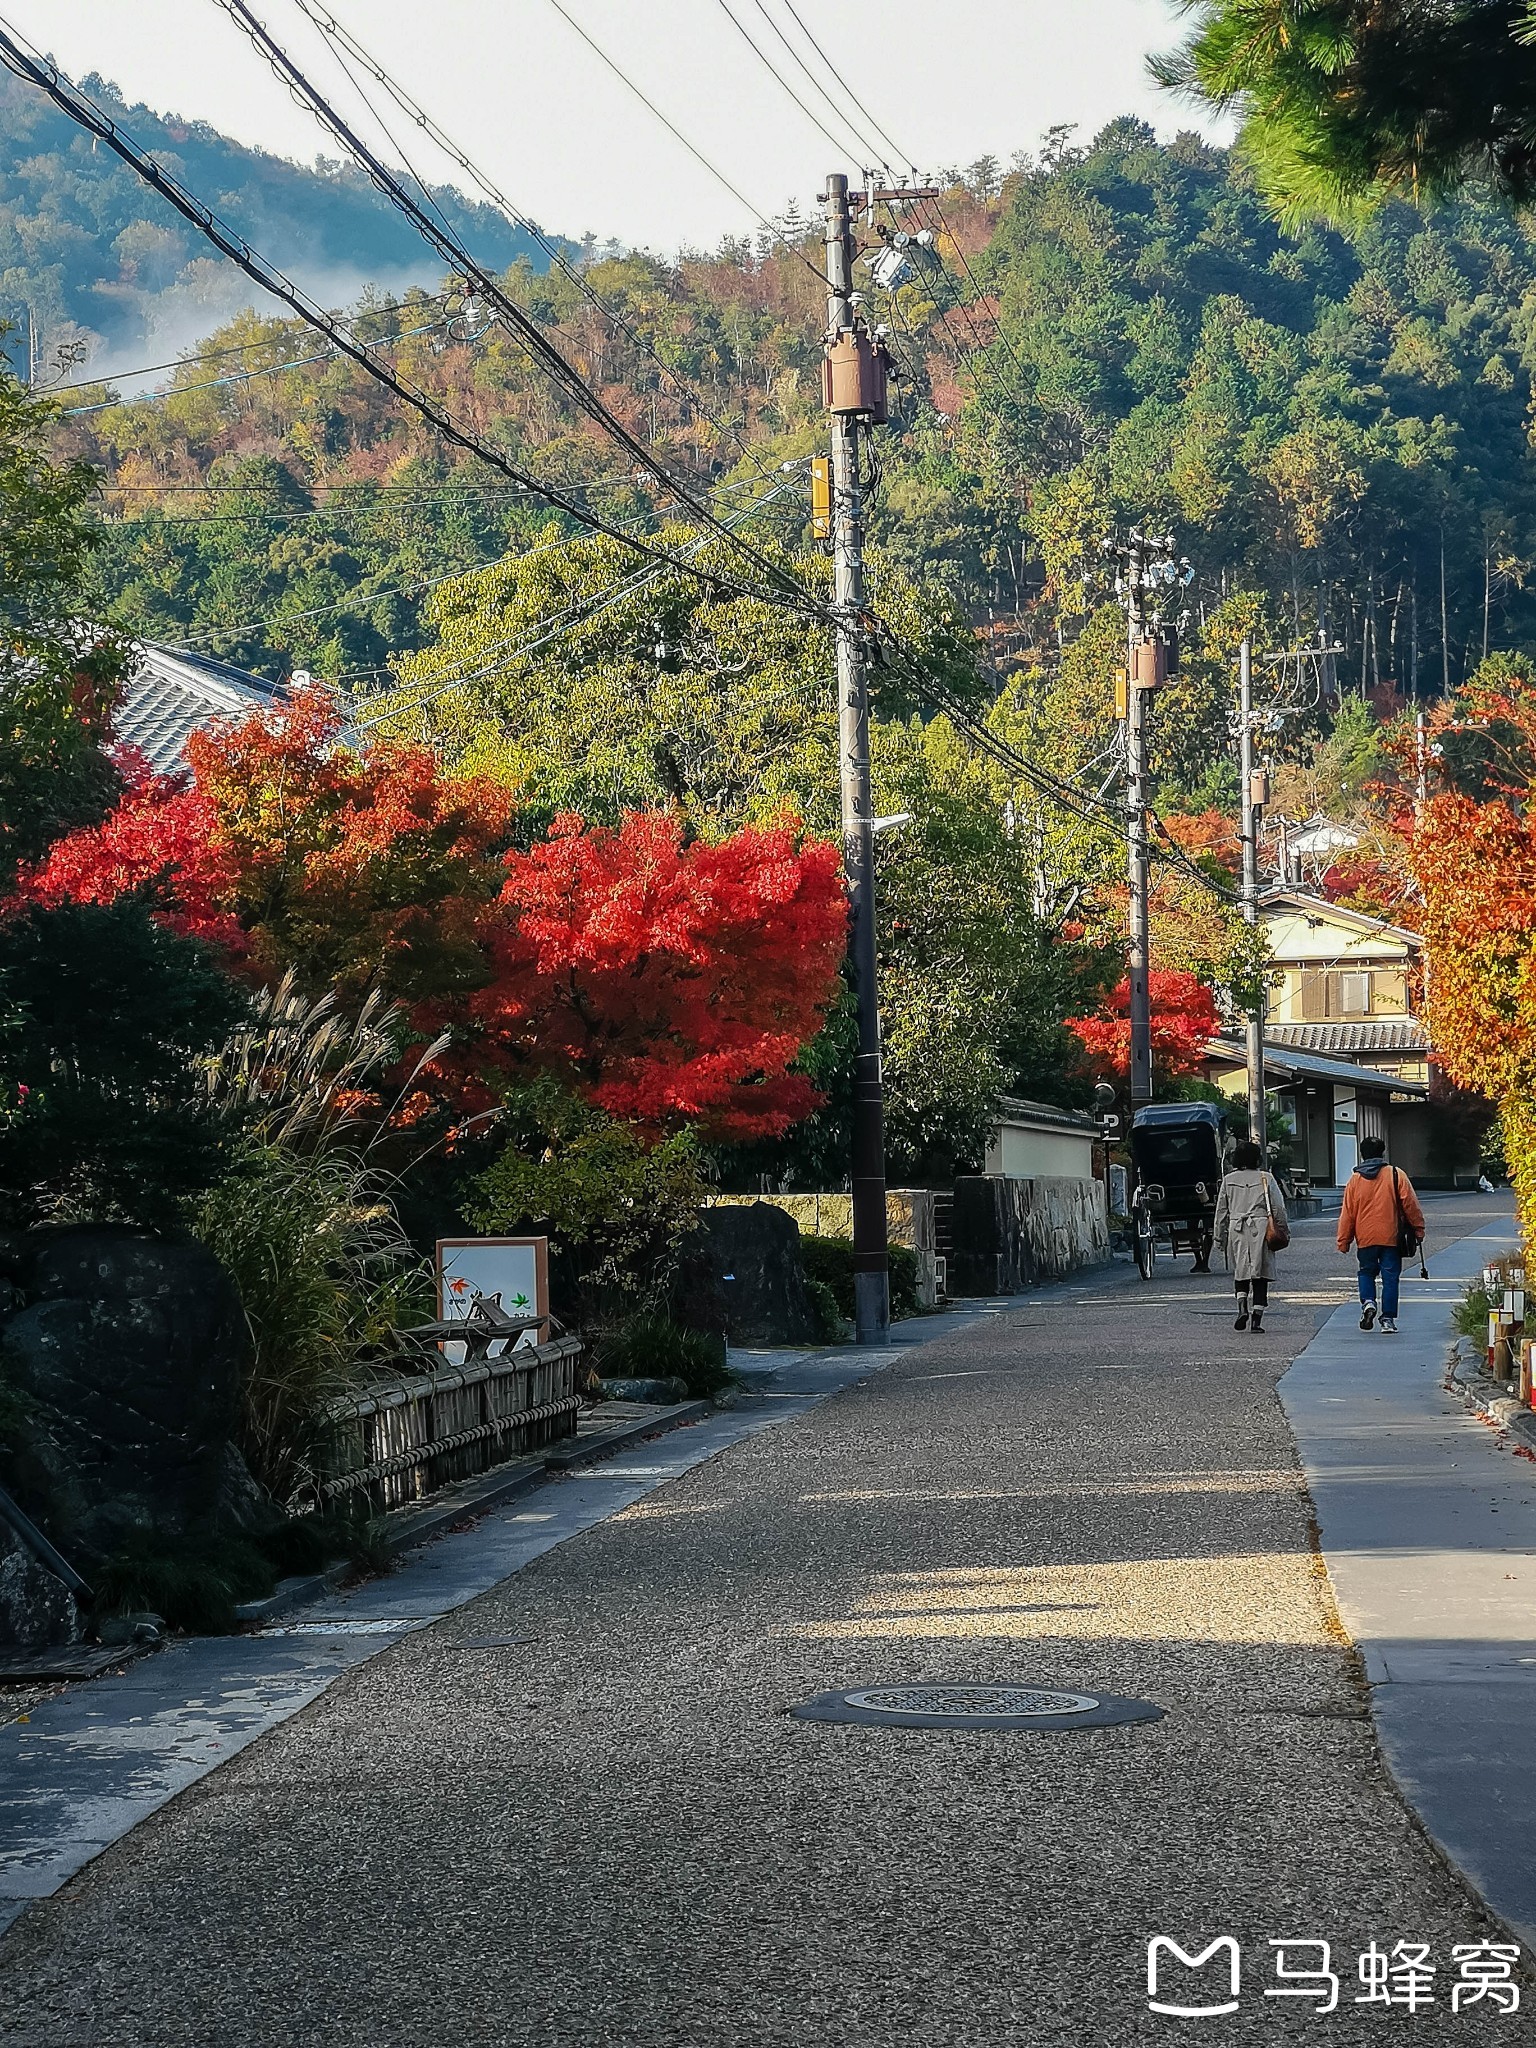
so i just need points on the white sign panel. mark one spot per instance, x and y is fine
(513, 1271)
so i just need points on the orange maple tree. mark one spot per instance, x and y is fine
(1474, 855)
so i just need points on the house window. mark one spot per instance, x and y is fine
(1326, 995)
(1354, 995)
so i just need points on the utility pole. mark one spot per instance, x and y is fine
(1139, 950)
(1255, 795)
(1147, 565)
(854, 387)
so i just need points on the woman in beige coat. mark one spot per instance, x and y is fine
(1250, 1198)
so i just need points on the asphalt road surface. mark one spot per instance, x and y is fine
(612, 1832)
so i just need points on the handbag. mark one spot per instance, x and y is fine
(1277, 1235)
(1408, 1244)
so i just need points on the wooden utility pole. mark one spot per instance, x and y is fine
(1255, 795)
(854, 378)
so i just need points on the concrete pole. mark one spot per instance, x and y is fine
(1138, 949)
(1254, 1029)
(871, 1261)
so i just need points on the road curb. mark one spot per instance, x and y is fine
(1487, 1397)
(475, 1497)
(566, 1457)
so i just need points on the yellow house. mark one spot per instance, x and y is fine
(1346, 985)
(1347, 1055)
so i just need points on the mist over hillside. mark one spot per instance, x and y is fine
(87, 254)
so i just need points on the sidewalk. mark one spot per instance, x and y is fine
(1428, 1529)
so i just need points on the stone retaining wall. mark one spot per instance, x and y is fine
(1013, 1234)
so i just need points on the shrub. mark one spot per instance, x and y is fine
(652, 1347)
(828, 1262)
(325, 1276)
(1472, 1311)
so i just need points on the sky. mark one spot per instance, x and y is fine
(950, 80)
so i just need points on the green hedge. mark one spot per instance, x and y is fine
(829, 1261)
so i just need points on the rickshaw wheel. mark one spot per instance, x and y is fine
(1146, 1246)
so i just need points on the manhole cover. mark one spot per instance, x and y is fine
(960, 1704)
(971, 1702)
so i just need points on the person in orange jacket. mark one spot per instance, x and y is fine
(1378, 1201)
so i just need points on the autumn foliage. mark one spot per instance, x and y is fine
(1474, 854)
(1183, 1020)
(667, 982)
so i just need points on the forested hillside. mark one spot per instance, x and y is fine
(1339, 420)
(87, 254)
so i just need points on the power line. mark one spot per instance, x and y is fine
(405, 501)
(538, 346)
(565, 621)
(876, 151)
(839, 143)
(693, 150)
(329, 25)
(900, 155)
(74, 412)
(208, 355)
(20, 57)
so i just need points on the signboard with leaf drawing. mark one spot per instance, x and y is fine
(510, 1271)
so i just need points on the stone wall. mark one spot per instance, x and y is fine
(909, 1220)
(1013, 1234)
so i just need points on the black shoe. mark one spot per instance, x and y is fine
(1368, 1315)
(1242, 1321)
(1257, 1322)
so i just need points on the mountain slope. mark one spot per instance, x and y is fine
(87, 253)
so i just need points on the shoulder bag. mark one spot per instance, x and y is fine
(1408, 1244)
(1277, 1235)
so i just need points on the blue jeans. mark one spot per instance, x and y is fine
(1386, 1260)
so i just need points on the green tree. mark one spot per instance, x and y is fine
(1343, 100)
(104, 1110)
(58, 676)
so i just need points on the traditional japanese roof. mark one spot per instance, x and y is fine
(1018, 1114)
(1369, 1035)
(1285, 1063)
(1318, 910)
(172, 692)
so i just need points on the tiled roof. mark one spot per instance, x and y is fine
(1283, 1059)
(171, 693)
(1369, 1035)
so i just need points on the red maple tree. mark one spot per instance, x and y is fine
(159, 839)
(668, 982)
(1183, 1021)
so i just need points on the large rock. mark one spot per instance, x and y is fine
(36, 1609)
(740, 1274)
(128, 1355)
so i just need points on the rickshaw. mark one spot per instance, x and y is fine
(1178, 1150)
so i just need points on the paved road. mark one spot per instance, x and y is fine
(611, 1832)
